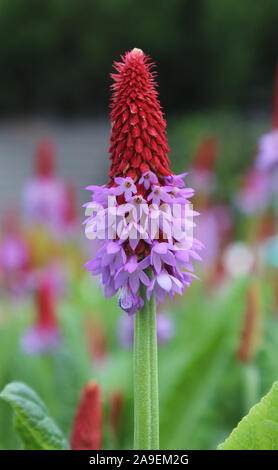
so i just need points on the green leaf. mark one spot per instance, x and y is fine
(199, 364)
(35, 428)
(259, 429)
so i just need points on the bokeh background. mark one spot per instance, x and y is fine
(216, 70)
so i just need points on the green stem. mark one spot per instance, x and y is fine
(146, 410)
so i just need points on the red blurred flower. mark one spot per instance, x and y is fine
(251, 333)
(45, 159)
(97, 340)
(87, 426)
(116, 408)
(44, 336)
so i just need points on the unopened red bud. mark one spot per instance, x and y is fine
(87, 426)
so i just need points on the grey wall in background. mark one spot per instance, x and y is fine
(82, 154)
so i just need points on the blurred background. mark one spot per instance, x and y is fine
(216, 73)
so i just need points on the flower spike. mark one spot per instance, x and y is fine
(142, 215)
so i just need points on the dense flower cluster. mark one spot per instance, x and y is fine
(143, 215)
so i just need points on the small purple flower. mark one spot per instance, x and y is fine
(164, 283)
(132, 230)
(175, 180)
(133, 272)
(138, 206)
(125, 186)
(110, 256)
(181, 196)
(147, 179)
(267, 156)
(101, 194)
(160, 193)
(160, 218)
(160, 252)
(130, 302)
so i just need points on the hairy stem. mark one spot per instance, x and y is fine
(146, 410)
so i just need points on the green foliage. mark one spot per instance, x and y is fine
(60, 52)
(259, 429)
(204, 390)
(197, 371)
(35, 428)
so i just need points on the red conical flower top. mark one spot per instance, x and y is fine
(87, 426)
(138, 141)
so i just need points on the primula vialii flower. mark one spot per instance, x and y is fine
(142, 215)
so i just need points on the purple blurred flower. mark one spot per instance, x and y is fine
(40, 340)
(45, 197)
(254, 195)
(14, 254)
(165, 329)
(203, 180)
(267, 156)
(44, 202)
(213, 226)
(175, 180)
